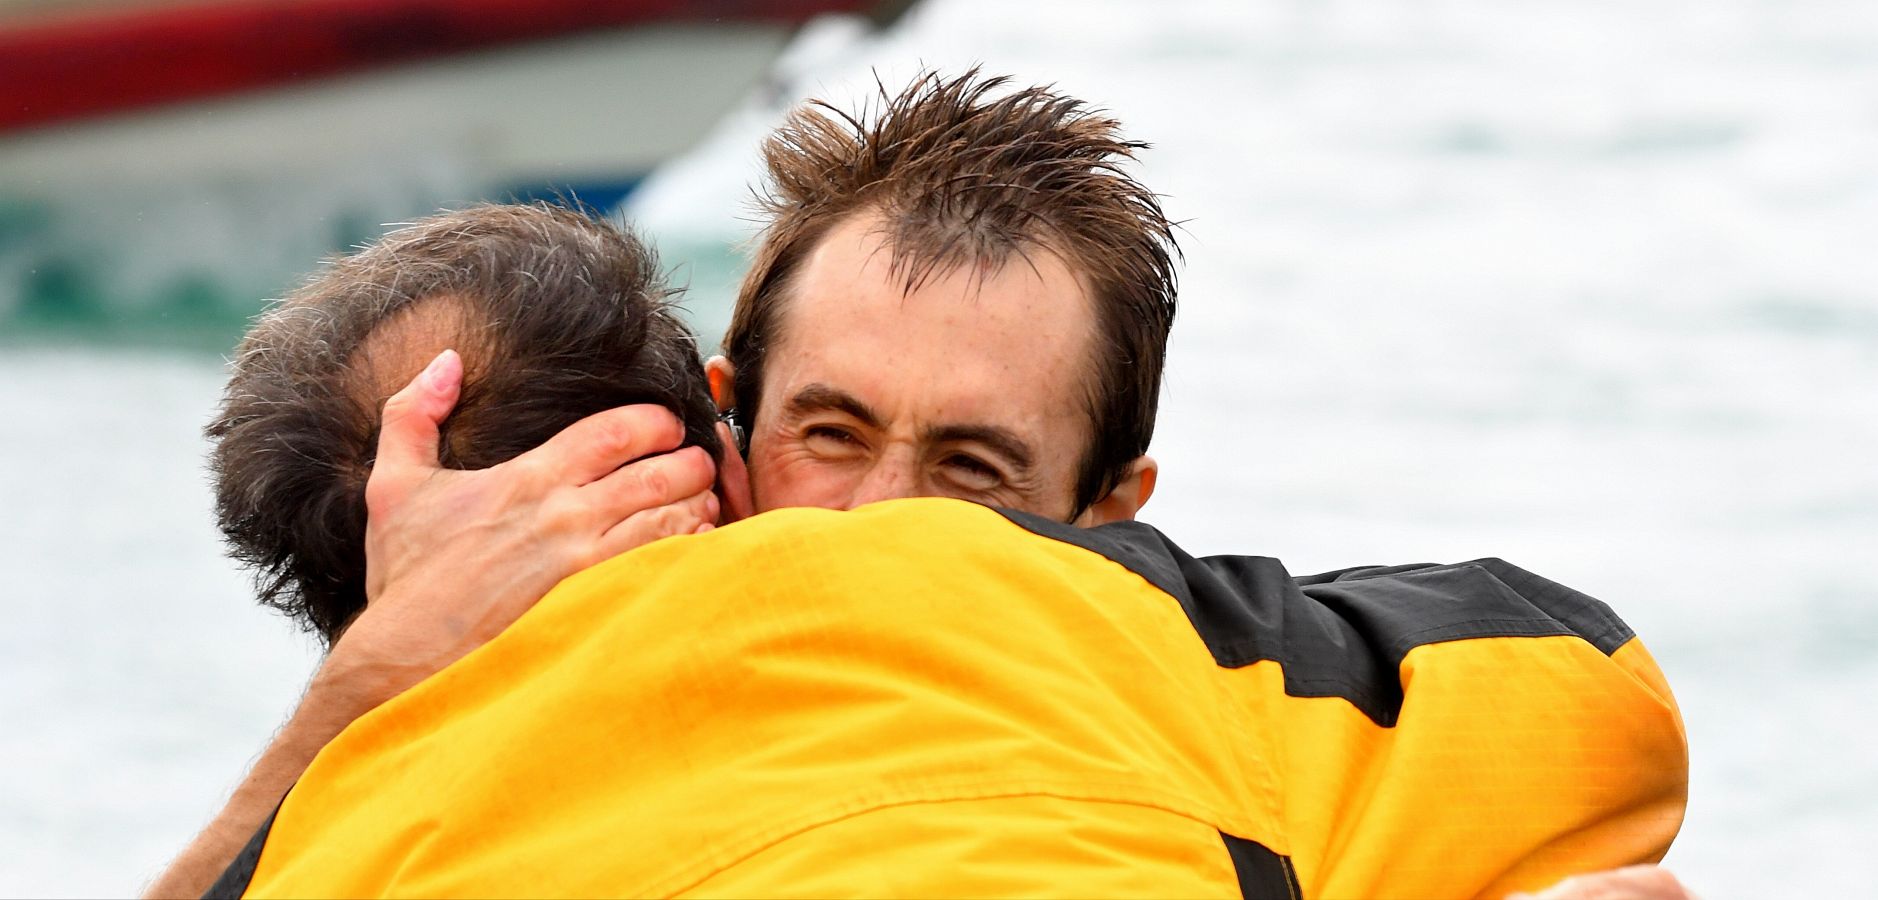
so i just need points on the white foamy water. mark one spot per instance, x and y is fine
(1586, 286)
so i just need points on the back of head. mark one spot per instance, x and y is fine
(557, 316)
(966, 172)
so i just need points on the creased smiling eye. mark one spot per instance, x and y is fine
(827, 437)
(974, 472)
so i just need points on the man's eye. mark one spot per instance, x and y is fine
(829, 437)
(974, 472)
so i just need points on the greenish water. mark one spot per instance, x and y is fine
(64, 287)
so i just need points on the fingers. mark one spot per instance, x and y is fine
(691, 515)
(407, 436)
(648, 484)
(592, 448)
(733, 481)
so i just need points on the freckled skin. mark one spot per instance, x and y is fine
(1006, 349)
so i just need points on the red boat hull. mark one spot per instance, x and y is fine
(77, 64)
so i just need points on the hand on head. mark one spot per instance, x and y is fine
(575, 424)
(454, 556)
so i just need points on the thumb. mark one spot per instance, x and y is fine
(407, 436)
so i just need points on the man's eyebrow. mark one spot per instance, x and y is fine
(1003, 441)
(821, 397)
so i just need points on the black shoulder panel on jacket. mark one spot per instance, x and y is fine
(1342, 634)
(235, 879)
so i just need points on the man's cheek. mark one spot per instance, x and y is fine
(782, 479)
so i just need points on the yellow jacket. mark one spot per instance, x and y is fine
(927, 697)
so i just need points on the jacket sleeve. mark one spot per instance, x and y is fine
(1532, 737)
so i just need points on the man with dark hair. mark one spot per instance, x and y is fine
(564, 347)
(557, 316)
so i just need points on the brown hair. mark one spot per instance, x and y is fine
(963, 173)
(557, 316)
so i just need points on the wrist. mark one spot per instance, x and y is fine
(352, 682)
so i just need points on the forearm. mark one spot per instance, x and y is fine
(331, 703)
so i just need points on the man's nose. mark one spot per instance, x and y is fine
(891, 477)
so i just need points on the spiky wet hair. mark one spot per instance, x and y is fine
(557, 316)
(966, 171)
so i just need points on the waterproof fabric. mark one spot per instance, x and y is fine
(927, 697)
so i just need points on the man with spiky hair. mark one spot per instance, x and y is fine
(963, 207)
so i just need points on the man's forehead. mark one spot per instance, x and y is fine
(914, 251)
(853, 286)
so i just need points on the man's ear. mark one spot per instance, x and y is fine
(723, 378)
(1127, 498)
(733, 482)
